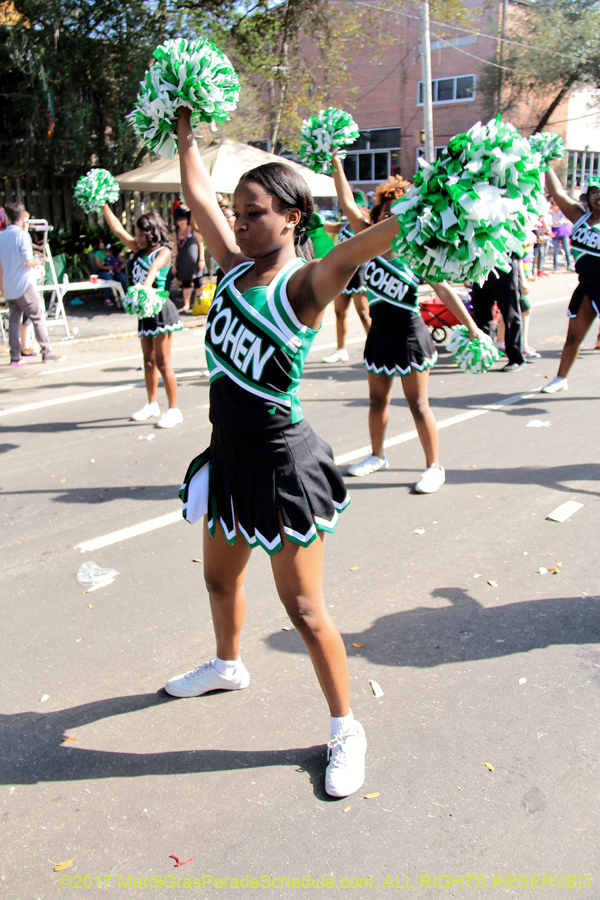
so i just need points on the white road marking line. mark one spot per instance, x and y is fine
(151, 524)
(125, 533)
(548, 302)
(42, 404)
(320, 347)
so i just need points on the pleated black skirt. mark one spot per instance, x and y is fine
(166, 321)
(585, 289)
(399, 348)
(357, 282)
(256, 476)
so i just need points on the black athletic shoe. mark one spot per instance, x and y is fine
(512, 367)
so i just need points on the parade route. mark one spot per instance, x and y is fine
(483, 752)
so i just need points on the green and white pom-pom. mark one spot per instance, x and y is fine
(320, 135)
(95, 189)
(144, 301)
(466, 213)
(195, 74)
(549, 145)
(472, 355)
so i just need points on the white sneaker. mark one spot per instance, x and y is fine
(169, 418)
(146, 412)
(431, 480)
(346, 753)
(557, 384)
(340, 356)
(206, 678)
(368, 465)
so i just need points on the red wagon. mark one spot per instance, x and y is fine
(437, 317)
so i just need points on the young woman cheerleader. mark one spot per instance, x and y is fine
(355, 291)
(585, 246)
(399, 343)
(151, 263)
(266, 479)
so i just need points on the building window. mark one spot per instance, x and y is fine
(450, 90)
(375, 156)
(421, 153)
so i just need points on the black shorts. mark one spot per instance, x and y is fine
(258, 475)
(398, 347)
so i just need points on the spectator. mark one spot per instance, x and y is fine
(3, 219)
(110, 268)
(561, 229)
(17, 280)
(188, 257)
(503, 289)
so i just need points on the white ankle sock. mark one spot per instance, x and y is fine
(226, 667)
(341, 724)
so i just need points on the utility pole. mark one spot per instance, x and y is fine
(502, 36)
(427, 99)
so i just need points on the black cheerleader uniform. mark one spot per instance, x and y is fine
(398, 341)
(264, 459)
(585, 247)
(356, 285)
(167, 319)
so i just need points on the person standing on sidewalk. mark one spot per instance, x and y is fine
(502, 288)
(17, 283)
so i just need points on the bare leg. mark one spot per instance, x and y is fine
(361, 304)
(380, 397)
(500, 330)
(150, 370)
(162, 353)
(415, 391)
(340, 306)
(187, 296)
(298, 573)
(578, 328)
(224, 570)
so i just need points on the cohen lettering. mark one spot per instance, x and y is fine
(241, 345)
(383, 282)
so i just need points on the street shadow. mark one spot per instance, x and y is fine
(6, 448)
(556, 477)
(103, 494)
(466, 631)
(31, 751)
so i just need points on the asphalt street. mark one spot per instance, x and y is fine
(483, 750)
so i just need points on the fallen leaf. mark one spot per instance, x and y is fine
(347, 808)
(44, 697)
(522, 681)
(489, 766)
(354, 568)
(419, 531)
(62, 480)
(53, 476)
(372, 796)
(492, 583)
(69, 739)
(356, 697)
(377, 692)
(358, 645)
(288, 627)
(473, 467)
(24, 540)
(477, 575)
(559, 564)
(460, 789)
(197, 560)
(63, 865)
(90, 606)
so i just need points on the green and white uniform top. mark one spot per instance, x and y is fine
(585, 247)
(391, 289)
(255, 351)
(141, 267)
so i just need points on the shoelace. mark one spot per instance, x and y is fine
(203, 665)
(336, 751)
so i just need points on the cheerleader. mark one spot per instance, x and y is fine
(399, 343)
(584, 305)
(355, 291)
(266, 479)
(151, 263)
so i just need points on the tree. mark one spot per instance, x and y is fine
(556, 49)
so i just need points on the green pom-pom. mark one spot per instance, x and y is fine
(320, 135)
(477, 355)
(466, 213)
(95, 189)
(144, 301)
(549, 145)
(195, 74)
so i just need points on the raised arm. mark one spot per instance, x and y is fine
(118, 230)
(200, 197)
(346, 197)
(450, 299)
(566, 204)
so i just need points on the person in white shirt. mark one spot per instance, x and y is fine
(17, 284)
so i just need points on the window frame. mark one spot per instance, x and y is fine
(454, 78)
(367, 151)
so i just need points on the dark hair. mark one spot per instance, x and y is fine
(182, 212)
(292, 192)
(590, 188)
(157, 233)
(389, 190)
(14, 211)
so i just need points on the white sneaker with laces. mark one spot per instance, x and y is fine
(340, 356)
(557, 384)
(146, 412)
(431, 480)
(170, 418)
(205, 677)
(368, 465)
(345, 772)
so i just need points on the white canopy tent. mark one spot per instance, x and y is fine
(226, 161)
